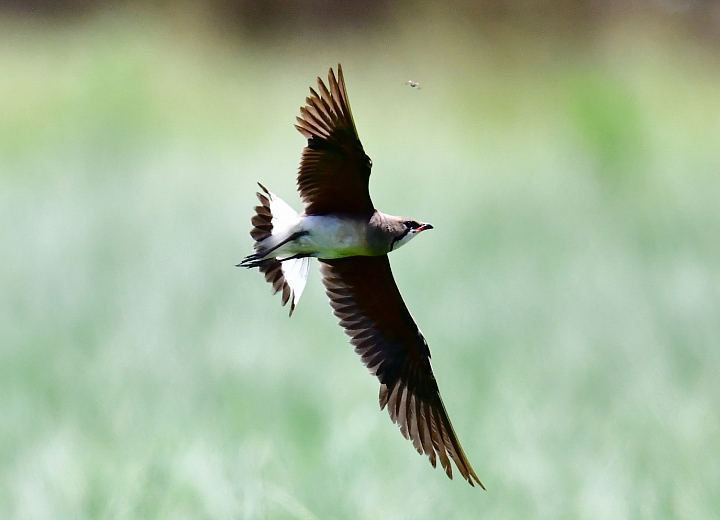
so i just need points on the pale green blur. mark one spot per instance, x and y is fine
(570, 291)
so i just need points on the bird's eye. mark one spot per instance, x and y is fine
(411, 224)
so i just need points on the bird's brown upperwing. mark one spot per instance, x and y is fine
(365, 298)
(334, 171)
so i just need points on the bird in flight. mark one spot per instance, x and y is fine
(351, 239)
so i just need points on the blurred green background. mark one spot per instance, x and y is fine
(567, 154)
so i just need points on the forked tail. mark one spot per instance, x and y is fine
(273, 218)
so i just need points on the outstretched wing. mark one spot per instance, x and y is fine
(365, 298)
(335, 170)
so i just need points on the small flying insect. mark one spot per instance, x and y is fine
(413, 84)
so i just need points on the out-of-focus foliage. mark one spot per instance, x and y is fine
(570, 291)
(276, 18)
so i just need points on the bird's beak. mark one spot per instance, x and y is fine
(424, 227)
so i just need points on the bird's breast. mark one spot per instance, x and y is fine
(335, 236)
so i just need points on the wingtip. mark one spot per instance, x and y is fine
(474, 478)
(336, 79)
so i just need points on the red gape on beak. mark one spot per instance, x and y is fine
(424, 227)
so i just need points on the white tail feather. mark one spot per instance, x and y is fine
(296, 273)
(284, 218)
(284, 221)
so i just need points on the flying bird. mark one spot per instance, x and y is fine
(351, 239)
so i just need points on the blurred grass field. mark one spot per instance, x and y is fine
(570, 291)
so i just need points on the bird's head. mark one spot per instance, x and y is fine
(406, 230)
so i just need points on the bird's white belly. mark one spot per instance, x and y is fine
(333, 237)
